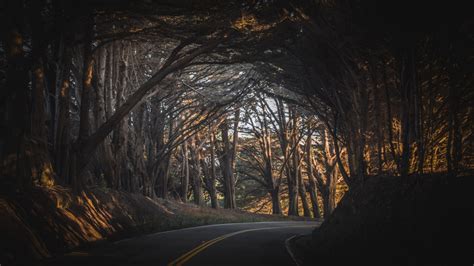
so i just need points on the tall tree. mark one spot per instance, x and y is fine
(227, 155)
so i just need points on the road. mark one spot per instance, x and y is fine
(224, 244)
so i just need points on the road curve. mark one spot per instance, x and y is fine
(223, 244)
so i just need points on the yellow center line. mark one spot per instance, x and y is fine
(188, 255)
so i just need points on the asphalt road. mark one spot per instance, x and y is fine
(224, 244)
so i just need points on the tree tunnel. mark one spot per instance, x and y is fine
(276, 107)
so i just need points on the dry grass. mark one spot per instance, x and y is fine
(57, 221)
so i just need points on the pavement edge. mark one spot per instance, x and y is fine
(290, 249)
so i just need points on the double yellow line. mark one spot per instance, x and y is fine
(187, 256)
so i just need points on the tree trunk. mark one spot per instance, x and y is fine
(332, 191)
(407, 84)
(227, 173)
(235, 137)
(41, 162)
(302, 193)
(62, 139)
(185, 174)
(454, 142)
(389, 123)
(118, 143)
(292, 165)
(108, 166)
(84, 122)
(160, 172)
(377, 112)
(276, 200)
(313, 190)
(418, 122)
(329, 195)
(212, 181)
(196, 171)
(337, 151)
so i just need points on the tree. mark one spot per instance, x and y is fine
(228, 155)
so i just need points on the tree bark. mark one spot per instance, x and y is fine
(389, 123)
(41, 163)
(227, 173)
(302, 193)
(212, 181)
(454, 142)
(407, 83)
(378, 128)
(313, 190)
(185, 173)
(276, 200)
(62, 143)
(84, 122)
(196, 171)
(345, 176)
(291, 166)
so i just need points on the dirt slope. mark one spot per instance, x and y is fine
(418, 220)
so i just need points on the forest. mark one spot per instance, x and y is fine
(267, 106)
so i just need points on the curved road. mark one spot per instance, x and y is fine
(223, 244)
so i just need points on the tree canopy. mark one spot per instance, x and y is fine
(253, 103)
